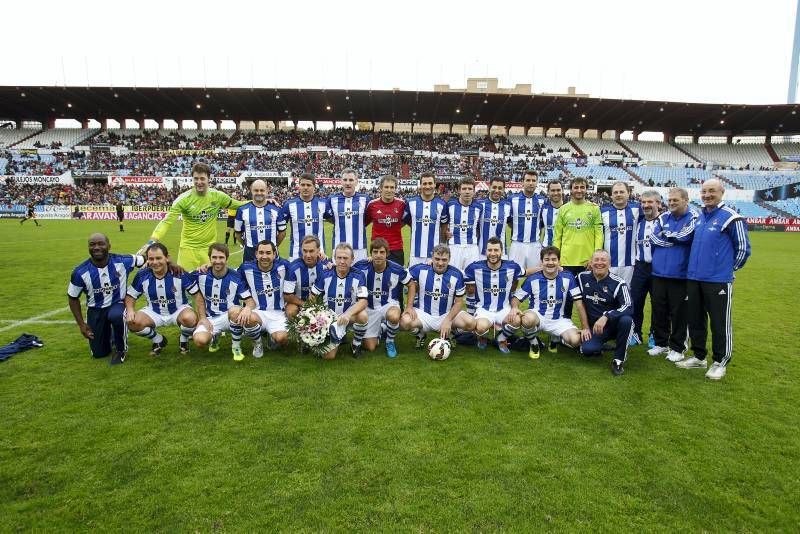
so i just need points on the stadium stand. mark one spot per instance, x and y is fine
(672, 176)
(738, 156)
(760, 179)
(9, 137)
(787, 150)
(655, 151)
(599, 147)
(790, 206)
(56, 138)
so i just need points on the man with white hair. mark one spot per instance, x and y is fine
(720, 247)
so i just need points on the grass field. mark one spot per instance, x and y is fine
(481, 442)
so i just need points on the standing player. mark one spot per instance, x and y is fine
(463, 217)
(305, 214)
(347, 210)
(491, 282)
(608, 307)
(672, 237)
(710, 279)
(548, 292)
(166, 301)
(436, 298)
(642, 282)
(578, 229)
(385, 213)
(223, 289)
(525, 220)
(199, 208)
(304, 273)
(555, 199)
(104, 279)
(31, 214)
(344, 290)
(620, 219)
(120, 215)
(265, 278)
(385, 280)
(257, 221)
(495, 214)
(426, 215)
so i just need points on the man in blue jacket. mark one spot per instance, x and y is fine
(607, 300)
(720, 247)
(671, 242)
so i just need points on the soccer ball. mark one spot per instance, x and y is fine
(439, 349)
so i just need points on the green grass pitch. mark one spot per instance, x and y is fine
(481, 442)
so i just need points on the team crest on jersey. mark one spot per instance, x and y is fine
(577, 223)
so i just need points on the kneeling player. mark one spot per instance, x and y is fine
(304, 272)
(264, 278)
(344, 291)
(166, 301)
(222, 288)
(548, 291)
(436, 294)
(385, 280)
(491, 282)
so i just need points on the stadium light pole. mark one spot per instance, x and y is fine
(792, 97)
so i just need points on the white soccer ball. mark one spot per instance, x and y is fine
(439, 349)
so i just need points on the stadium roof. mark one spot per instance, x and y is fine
(241, 104)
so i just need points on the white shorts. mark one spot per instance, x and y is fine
(463, 255)
(626, 273)
(526, 255)
(554, 327)
(163, 320)
(417, 260)
(496, 318)
(376, 317)
(272, 320)
(432, 323)
(219, 324)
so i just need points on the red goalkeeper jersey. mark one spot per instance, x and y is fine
(387, 221)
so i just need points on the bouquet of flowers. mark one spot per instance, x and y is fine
(310, 328)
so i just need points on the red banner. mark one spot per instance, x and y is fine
(786, 221)
(136, 180)
(129, 215)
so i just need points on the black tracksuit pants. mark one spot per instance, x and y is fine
(711, 302)
(670, 313)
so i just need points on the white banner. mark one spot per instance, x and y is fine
(52, 212)
(38, 179)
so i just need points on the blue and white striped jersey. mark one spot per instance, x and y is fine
(305, 218)
(548, 220)
(424, 217)
(384, 286)
(220, 293)
(103, 286)
(340, 293)
(644, 252)
(164, 295)
(349, 219)
(463, 222)
(619, 228)
(303, 277)
(266, 288)
(549, 296)
(526, 213)
(259, 224)
(492, 286)
(436, 292)
(494, 219)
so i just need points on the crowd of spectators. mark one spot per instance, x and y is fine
(162, 140)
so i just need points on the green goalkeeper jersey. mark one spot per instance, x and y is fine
(199, 217)
(578, 232)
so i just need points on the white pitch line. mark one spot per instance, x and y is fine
(32, 319)
(37, 321)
